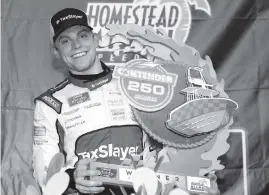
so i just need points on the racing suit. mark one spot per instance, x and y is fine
(83, 119)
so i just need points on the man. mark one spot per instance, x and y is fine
(85, 116)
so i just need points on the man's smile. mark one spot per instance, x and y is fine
(78, 55)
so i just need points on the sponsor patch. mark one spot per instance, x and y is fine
(114, 93)
(107, 172)
(77, 124)
(197, 184)
(78, 99)
(40, 142)
(39, 131)
(116, 102)
(73, 119)
(52, 102)
(93, 105)
(118, 114)
(71, 112)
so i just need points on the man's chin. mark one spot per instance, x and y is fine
(81, 70)
(81, 67)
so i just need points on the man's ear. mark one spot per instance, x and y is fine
(55, 52)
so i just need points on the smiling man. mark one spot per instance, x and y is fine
(85, 116)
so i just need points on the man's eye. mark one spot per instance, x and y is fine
(84, 35)
(64, 41)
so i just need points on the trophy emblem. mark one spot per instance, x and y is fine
(178, 101)
(203, 111)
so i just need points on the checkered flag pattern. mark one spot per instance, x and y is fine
(198, 107)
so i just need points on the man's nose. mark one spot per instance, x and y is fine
(76, 44)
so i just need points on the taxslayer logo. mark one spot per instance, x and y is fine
(78, 99)
(101, 82)
(109, 150)
(147, 85)
(70, 17)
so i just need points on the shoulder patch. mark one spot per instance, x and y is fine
(51, 101)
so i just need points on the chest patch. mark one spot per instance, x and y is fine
(78, 99)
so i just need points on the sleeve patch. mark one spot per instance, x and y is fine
(40, 142)
(39, 131)
(52, 102)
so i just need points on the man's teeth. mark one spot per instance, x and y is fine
(79, 55)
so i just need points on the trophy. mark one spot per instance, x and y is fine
(179, 102)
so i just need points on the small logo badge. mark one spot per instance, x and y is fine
(78, 99)
(39, 131)
(52, 102)
(197, 184)
(107, 172)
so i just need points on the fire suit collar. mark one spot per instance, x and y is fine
(93, 84)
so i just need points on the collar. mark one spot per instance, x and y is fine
(93, 84)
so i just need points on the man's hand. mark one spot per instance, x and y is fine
(214, 189)
(84, 185)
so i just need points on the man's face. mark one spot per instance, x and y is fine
(77, 48)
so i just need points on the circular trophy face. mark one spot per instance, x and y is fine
(177, 104)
